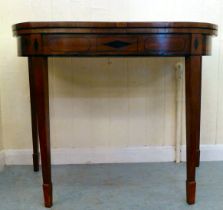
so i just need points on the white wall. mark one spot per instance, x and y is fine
(107, 102)
(2, 158)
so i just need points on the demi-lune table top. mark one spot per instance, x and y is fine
(119, 27)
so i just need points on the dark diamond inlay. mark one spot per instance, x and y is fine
(36, 45)
(117, 44)
(196, 44)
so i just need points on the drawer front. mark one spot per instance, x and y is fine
(163, 44)
(151, 44)
(117, 44)
(67, 44)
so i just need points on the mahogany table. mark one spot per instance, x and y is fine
(40, 40)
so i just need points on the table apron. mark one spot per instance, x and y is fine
(114, 45)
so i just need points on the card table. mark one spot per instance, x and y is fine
(40, 40)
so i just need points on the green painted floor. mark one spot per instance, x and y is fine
(140, 186)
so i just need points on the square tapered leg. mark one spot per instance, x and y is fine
(39, 77)
(193, 108)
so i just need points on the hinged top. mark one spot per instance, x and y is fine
(115, 27)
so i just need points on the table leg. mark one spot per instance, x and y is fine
(33, 120)
(198, 154)
(193, 107)
(39, 77)
(198, 98)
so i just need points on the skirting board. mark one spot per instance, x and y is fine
(113, 155)
(96, 155)
(208, 152)
(2, 160)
